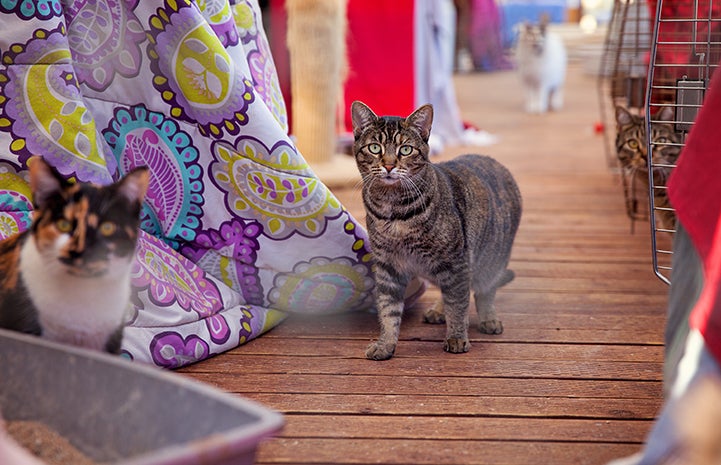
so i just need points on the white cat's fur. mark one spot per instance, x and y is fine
(90, 314)
(541, 60)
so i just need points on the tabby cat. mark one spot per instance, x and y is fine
(67, 278)
(632, 152)
(452, 223)
(541, 59)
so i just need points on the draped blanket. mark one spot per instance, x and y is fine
(237, 229)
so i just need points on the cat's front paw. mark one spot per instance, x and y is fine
(380, 351)
(456, 345)
(490, 327)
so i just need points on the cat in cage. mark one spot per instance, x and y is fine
(632, 153)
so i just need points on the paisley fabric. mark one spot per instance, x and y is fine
(237, 230)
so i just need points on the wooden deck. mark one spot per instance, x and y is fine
(574, 379)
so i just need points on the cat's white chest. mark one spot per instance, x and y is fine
(75, 310)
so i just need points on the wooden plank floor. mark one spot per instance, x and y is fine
(574, 379)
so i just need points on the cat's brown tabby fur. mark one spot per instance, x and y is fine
(452, 223)
(67, 278)
(632, 152)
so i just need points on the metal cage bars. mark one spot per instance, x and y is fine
(685, 51)
(622, 81)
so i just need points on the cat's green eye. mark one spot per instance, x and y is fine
(63, 225)
(405, 150)
(633, 144)
(107, 228)
(375, 149)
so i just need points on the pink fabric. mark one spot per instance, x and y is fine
(485, 37)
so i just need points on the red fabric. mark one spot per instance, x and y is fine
(695, 193)
(380, 57)
(680, 25)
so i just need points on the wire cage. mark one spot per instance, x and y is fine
(622, 82)
(685, 52)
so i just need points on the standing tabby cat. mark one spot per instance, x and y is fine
(632, 152)
(68, 277)
(541, 59)
(452, 223)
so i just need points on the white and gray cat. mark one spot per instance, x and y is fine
(541, 60)
(452, 223)
(67, 278)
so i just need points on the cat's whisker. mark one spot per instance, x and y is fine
(365, 178)
(415, 189)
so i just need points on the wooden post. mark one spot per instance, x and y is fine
(316, 42)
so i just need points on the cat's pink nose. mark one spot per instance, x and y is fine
(389, 168)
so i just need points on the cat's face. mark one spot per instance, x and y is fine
(631, 144)
(390, 150)
(84, 229)
(532, 38)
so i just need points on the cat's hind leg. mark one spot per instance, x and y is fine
(435, 315)
(455, 305)
(484, 296)
(488, 322)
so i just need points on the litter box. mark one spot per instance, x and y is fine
(124, 413)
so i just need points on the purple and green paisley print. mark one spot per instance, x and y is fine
(237, 231)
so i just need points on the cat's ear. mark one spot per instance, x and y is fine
(623, 117)
(422, 120)
(134, 185)
(543, 23)
(44, 181)
(665, 114)
(362, 116)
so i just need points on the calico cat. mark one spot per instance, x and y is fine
(452, 223)
(632, 152)
(541, 60)
(67, 278)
